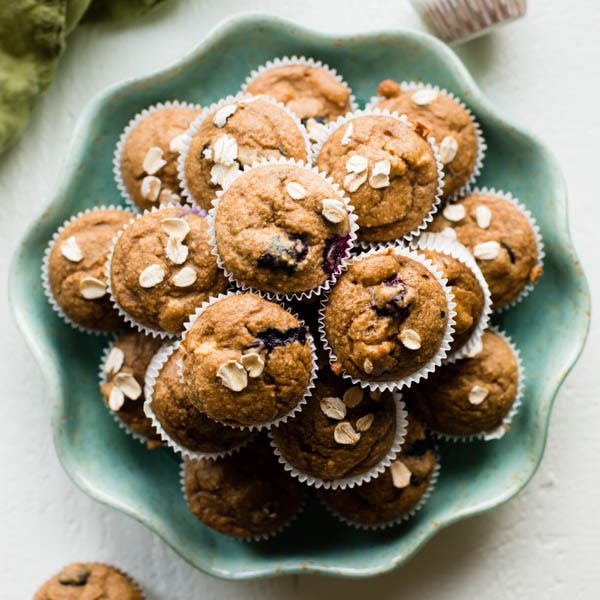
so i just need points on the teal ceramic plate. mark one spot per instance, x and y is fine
(549, 326)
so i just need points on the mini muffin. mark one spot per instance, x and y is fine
(76, 269)
(234, 135)
(247, 361)
(162, 268)
(500, 237)
(389, 171)
(386, 318)
(84, 581)
(472, 396)
(311, 91)
(397, 492)
(450, 124)
(343, 436)
(282, 228)
(148, 152)
(246, 495)
(122, 376)
(189, 428)
(469, 289)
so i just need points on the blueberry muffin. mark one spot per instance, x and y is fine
(309, 91)
(245, 495)
(386, 318)
(501, 239)
(343, 433)
(234, 135)
(148, 160)
(472, 396)
(246, 361)
(123, 372)
(76, 269)
(188, 427)
(282, 228)
(397, 491)
(162, 268)
(449, 123)
(85, 581)
(388, 170)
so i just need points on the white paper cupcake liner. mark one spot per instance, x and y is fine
(152, 372)
(408, 86)
(539, 243)
(341, 121)
(466, 19)
(287, 61)
(262, 537)
(309, 388)
(195, 126)
(441, 354)
(118, 153)
(440, 243)
(500, 431)
(305, 294)
(164, 335)
(46, 278)
(356, 480)
(101, 381)
(394, 522)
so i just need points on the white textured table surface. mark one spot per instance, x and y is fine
(543, 71)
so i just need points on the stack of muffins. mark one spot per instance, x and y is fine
(302, 292)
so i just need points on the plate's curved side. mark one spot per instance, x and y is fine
(260, 36)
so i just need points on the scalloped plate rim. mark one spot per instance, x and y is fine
(51, 372)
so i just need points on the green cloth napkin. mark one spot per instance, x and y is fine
(32, 39)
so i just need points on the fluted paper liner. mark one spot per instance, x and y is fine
(441, 354)
(409, 86)
(195, 126)
(500, 431)
(329, 129)
(128, 318)
(539, 242)
(394, 522)
(261, 537)
(462, 20)
(288, 61)
(440, 243)
(46, 278)
(102, 380)
(278, 296)
(118, 153)
(152, 372)
(356, 480)
(309, 388)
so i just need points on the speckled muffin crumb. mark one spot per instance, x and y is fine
(500, 238)
(343, 431)
(182, 421)
(472, 395)
(310, 92)
(388, 170)
(246, 361)
(162, 268)
(449, 123)
(89, 581)
(237, 135)
(123, 391)
(244, 495)
(282, 228)
(77, 268)
(397, 491)
(386, 317)
(150, 153)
